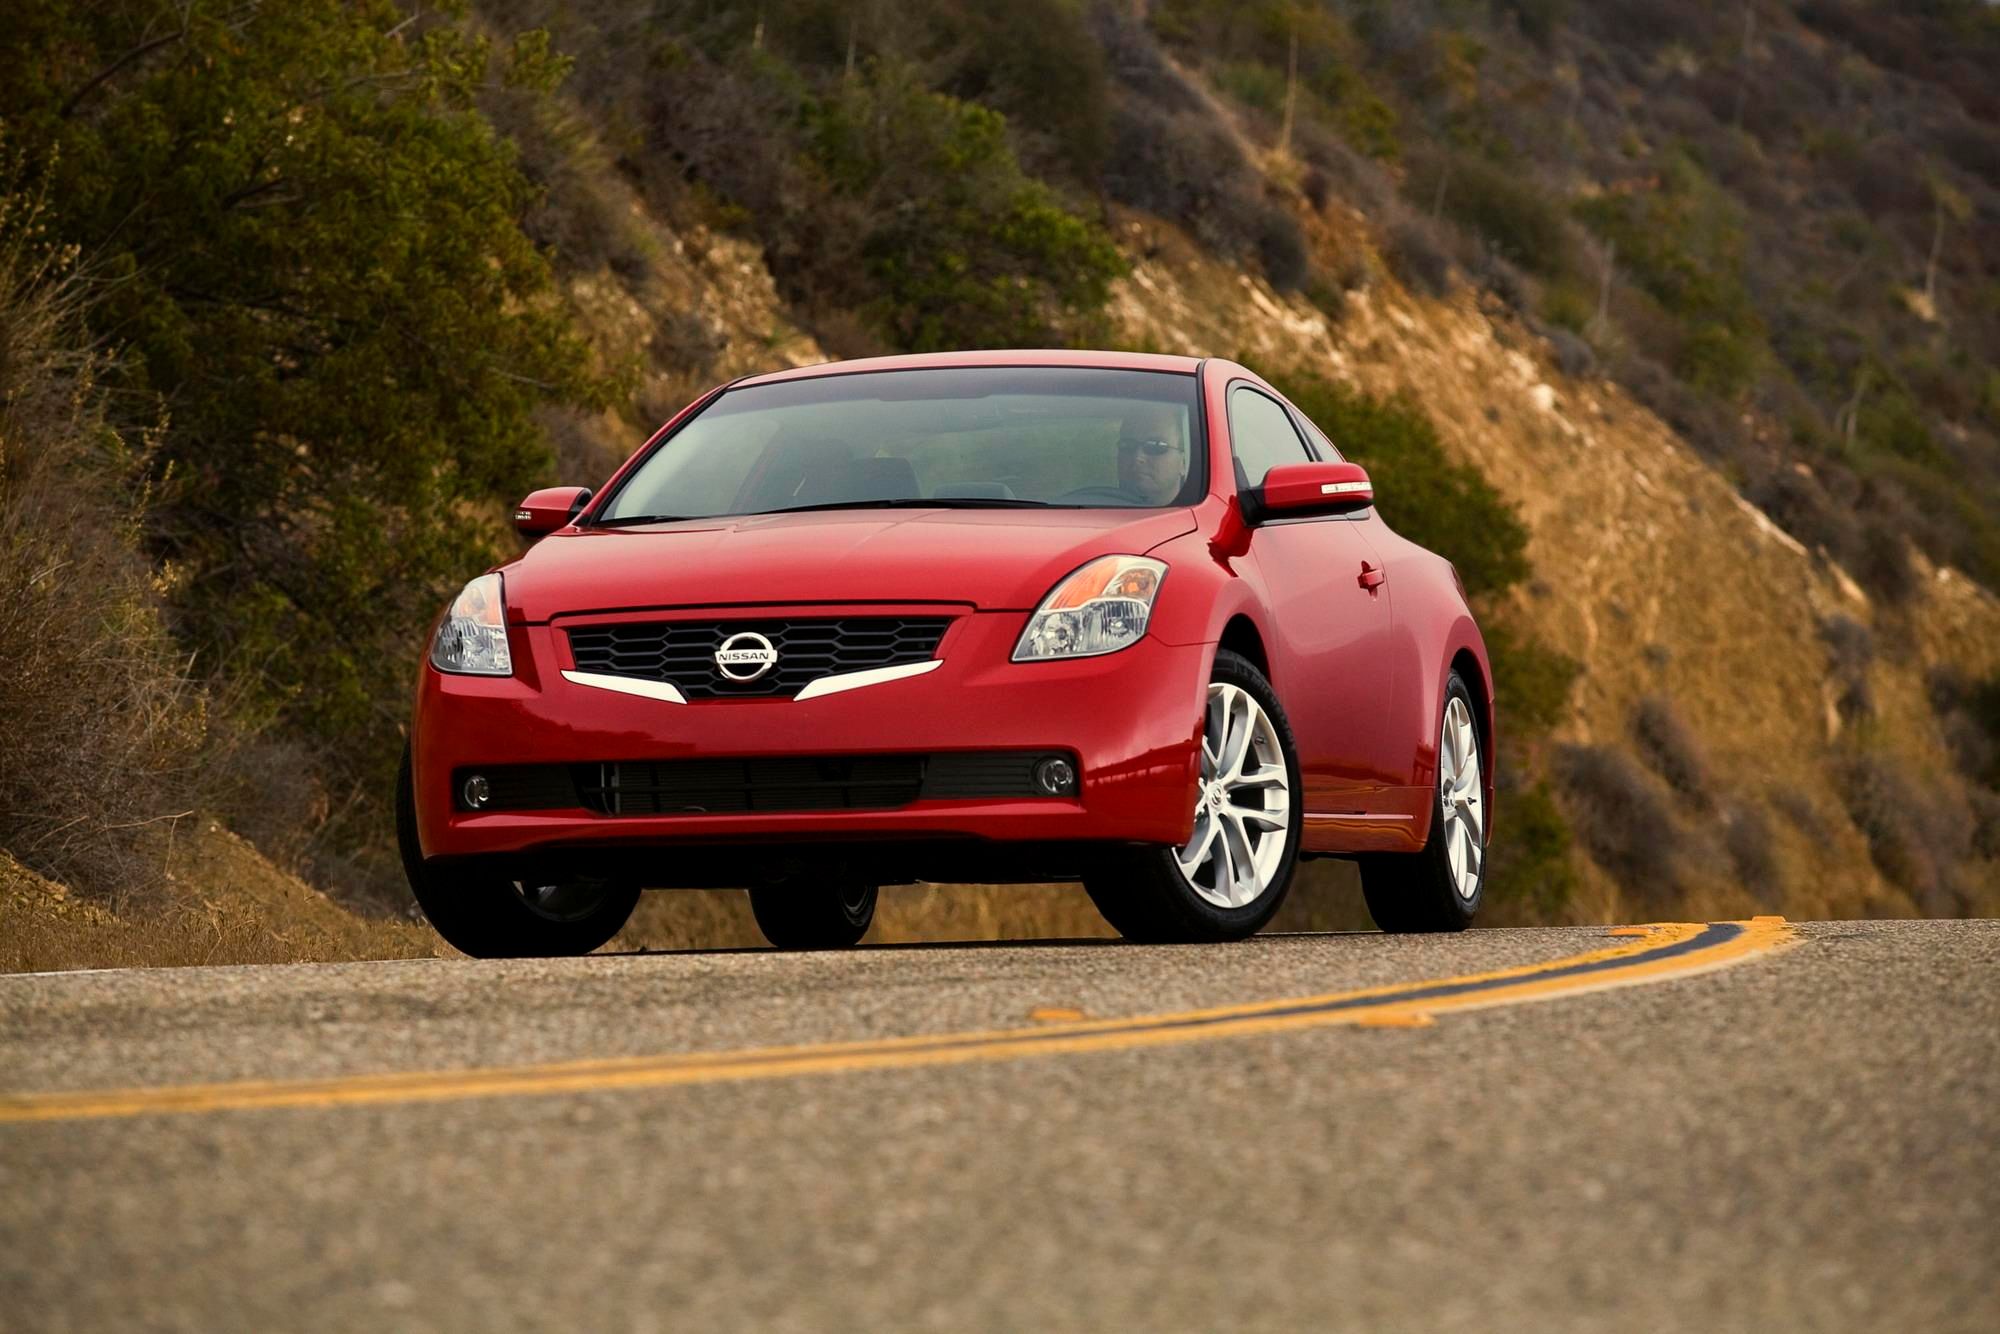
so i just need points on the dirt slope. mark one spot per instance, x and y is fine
(1651, 570)
(222, 903)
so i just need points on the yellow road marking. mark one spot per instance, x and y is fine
(1665, 951)
(1395, 1019)
(1056, 1014)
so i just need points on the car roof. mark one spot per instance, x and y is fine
(1124, 361)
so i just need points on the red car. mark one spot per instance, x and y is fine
(990, 617)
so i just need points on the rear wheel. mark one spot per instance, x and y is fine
(1440, 888)
(801, 914)
(1227, 881)
(490, 917)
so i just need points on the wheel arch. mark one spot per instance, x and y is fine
(1471, 668)
(1242, 637)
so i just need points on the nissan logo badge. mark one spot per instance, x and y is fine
(745, 657)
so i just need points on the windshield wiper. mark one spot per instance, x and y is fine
(632, 520)
(918, 502)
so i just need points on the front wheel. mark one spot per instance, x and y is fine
(795, 914)
(1228, 880)
(489, 917)
(1440, 887)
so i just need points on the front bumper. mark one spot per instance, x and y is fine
(1129, 717)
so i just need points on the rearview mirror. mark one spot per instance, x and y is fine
(1312, 488)
(550, 508)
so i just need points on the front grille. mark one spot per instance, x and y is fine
(683, 652)
(759, 783)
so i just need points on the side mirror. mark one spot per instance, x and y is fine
(550, 508)
(1312, 488)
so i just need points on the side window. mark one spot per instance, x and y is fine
(1321, 445)
(1262, 434)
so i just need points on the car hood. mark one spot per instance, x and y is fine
(996, 560)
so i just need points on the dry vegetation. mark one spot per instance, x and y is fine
(1787, 705)
(104, 733)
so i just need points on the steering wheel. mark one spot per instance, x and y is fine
(1091, 495)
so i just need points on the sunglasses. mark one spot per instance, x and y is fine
(1152, 449)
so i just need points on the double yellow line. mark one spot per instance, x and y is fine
(1648, 954)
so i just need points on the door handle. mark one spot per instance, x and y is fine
(1372, 575)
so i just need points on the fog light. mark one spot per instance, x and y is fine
(476, 792)
(1056, 776)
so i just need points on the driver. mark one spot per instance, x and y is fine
(1152, 454)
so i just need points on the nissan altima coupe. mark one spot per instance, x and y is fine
(1005, 617)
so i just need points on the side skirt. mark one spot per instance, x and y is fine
(1400, 822)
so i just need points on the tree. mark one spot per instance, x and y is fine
(965, 249)
(305, 239)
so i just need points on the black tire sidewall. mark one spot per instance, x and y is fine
(796, 916)
(1145, 896)
(483, 915)
(1415, 891)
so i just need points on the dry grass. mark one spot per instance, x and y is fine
(104, 731)
(1666, 744)
(1621, 819)
(1918, 833)
(227, 905)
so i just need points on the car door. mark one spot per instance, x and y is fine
(1330, 616)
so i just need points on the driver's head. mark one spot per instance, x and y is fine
(1152, 453)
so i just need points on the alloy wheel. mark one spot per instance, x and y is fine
(1461, 798)
(567, 901)
(1242, 812)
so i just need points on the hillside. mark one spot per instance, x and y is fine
(1662, 581)
(1569, 264)
(1673, 592)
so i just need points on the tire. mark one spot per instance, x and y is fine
(821, 915)
(1426, 891)
(487, 917)
(1146, 894)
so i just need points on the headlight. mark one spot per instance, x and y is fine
(1101, 608)
(472, 638)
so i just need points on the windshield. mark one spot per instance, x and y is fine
(972, 437)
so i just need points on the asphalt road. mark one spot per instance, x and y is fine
(1733, 1128)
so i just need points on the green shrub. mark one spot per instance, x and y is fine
(966, 250)
(1683, 242)
(1433, 500)
(1889, 420)
(1621, 820)
(1370, 124)
(1850, 653)
(1514, 215)
(1253, 84)
(1666, 744)
(309, 244)
(1531, 680)
(1569, 305)
(1917, 834)
(1530, 865)
(1969, 712)
(1746, 838)
(1419, 255)
(1033, 61)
